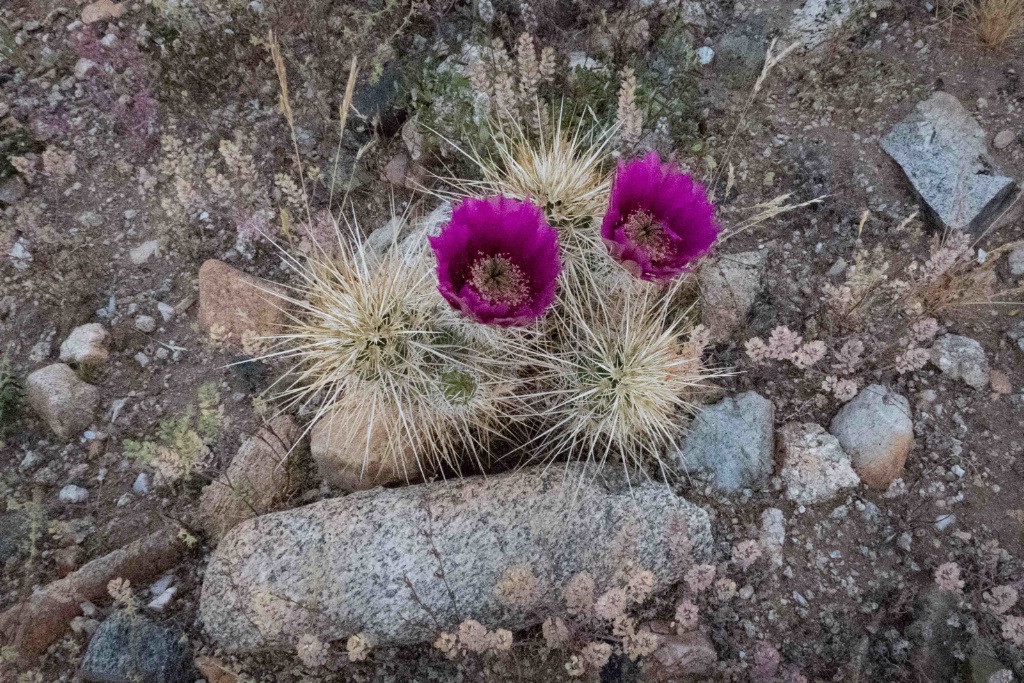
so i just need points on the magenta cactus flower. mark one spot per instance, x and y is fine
(497, 261)
(659, 220)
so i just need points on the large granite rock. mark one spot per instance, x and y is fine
(64, 401)
(402, 565)
(944, 153)
(733, 441)
(877, 433)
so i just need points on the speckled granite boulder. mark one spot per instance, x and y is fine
(402, 565)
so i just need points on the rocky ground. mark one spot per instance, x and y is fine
(854, 492)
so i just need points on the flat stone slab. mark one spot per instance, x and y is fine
(402, 565)
(729, 286)
(733, 441)
(943, 152)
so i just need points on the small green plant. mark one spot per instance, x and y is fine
(8, 48)
(183, 442)
(188, 539)
(211, 412)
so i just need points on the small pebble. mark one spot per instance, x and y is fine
(1003, 139)
(145, 323)
(73, 494)
(141, 485)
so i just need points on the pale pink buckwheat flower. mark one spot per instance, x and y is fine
(783, 343)
(808, 354)
(358, 648)
(311, 650)
(700, 577)
(725, 589)
(612, 604)
(1013, 630)
(687, 616)
(579, 595)
(556, 633)
(947, 577)
(1000, 599)
(596, 655)
(757, 350)
(746, 553)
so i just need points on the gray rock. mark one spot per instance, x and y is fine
(814, 466)
(734, 441)
(980, 667)
(944, 154)
(403, 564)
(1003, 139)
(430, 225)
(73, 494)
(818, 20)
(65, 402)
(90, 219)
(1016, 261)
(14, 531)
(936, 634)
(961, 358)
(773, 535)
(145, 323)
(130, 648)
(12, 190)
(876, 431)
(86, 345)
(83, 66)
(693, 13)
(739, 54)
(729, 285)
(145, 251)
(385, 236)
(379, 103)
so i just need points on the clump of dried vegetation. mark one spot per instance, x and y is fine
(994, 23)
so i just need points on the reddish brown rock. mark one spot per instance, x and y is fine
(875, 429)
(33, 624)
(234, 305)
(353, 460)
(64, 401)
(258, 478)
(101, 10)
(678, 657)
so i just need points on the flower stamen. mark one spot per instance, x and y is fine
(499, 281)
(647, 234)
